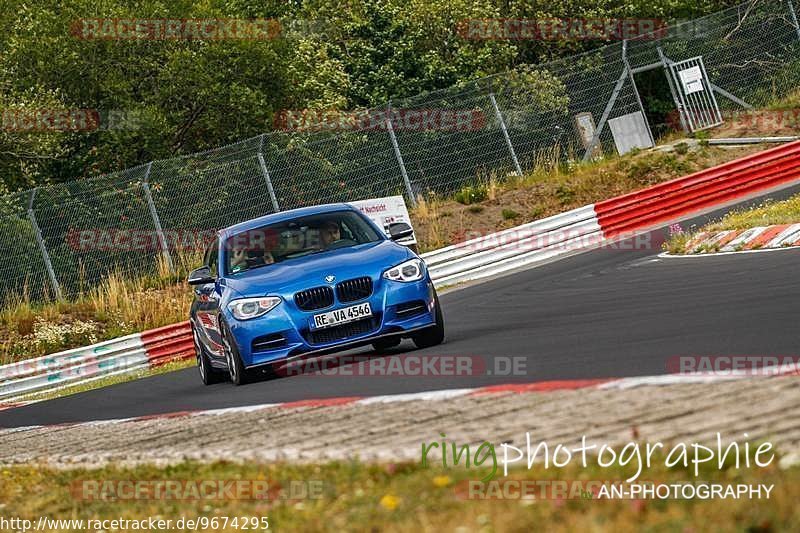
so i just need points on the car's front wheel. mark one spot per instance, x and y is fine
(435, 334)
(239, 374)
(208, 374)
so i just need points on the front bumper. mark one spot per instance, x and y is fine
(284, 333)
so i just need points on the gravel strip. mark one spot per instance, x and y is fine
(763, 407)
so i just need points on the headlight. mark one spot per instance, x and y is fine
(247, 308)
(409, 271)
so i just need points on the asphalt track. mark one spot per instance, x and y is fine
(606, 313)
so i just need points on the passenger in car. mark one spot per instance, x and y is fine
(238, 259)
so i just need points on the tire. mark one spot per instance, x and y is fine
(433, 335)
(381, 345)
(238, 373)
(208, 374)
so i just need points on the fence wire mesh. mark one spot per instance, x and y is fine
(63, 239)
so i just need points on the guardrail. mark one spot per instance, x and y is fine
(695, 192)
(533, 243)
(537, 241)
(80, 365)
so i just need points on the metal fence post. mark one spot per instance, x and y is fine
(502, 122)
(636, 90)
(42, 248)
(265, 172)
(606, 112)
(672, 89)
(794, 17)
(162, 242)
(406, 180)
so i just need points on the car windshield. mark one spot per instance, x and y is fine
(296, 238)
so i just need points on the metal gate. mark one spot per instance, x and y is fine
(694, 95)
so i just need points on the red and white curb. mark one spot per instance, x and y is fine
(777, 236)
(448, 394)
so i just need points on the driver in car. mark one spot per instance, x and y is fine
(329, 233)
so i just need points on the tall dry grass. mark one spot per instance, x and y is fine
(427, 214)
(119, 305)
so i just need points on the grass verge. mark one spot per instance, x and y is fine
(352, 496)
(766, 214)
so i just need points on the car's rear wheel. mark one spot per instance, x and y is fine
(381, 345)
(238, 373)
(435, 334)
(208, 374)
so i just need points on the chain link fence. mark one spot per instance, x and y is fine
(62, 239)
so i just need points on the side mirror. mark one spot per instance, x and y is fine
(200, 276)
(400, 230)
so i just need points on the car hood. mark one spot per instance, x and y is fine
(369, 259)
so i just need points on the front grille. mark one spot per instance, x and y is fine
(352, 290)
(268, 342)
(316, 298)
(408, 309)
(342, 331)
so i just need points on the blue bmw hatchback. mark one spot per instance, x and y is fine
(303, 283)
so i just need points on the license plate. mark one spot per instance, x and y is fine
(340, 316)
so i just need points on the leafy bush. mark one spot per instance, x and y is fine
(471, 194)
